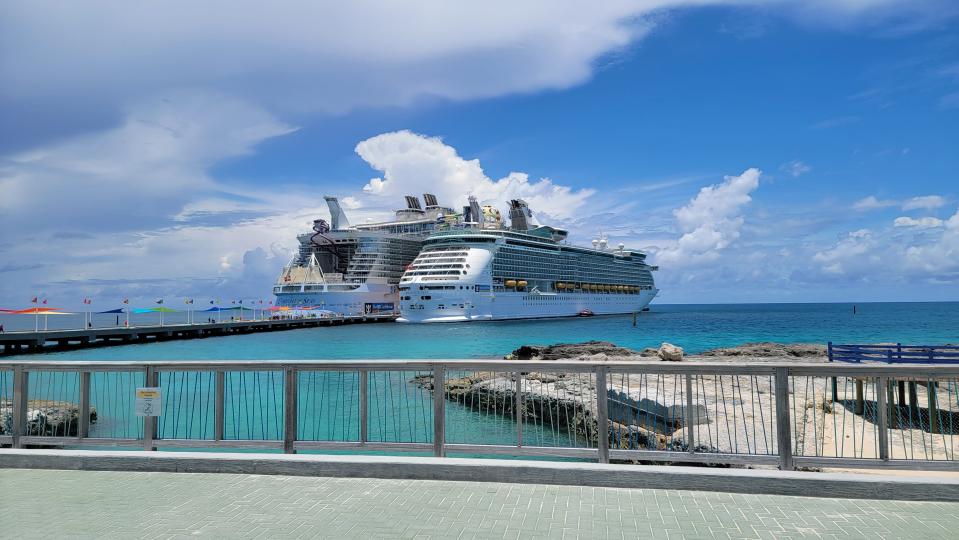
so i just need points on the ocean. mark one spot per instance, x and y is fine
(694, 327)
(401, 409)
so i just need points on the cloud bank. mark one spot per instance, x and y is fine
(415, 164)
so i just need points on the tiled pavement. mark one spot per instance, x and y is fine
(83, 504)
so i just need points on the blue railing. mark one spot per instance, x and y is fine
(894, 354)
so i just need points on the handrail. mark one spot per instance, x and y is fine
(597, 395)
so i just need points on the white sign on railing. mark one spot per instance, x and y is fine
(148, 402)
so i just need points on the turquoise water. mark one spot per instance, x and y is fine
(694, 327)
(400, 409)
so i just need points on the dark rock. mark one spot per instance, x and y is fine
(563, 351)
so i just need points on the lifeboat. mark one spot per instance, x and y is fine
(511, 283)
(521, 283)
(561, 286)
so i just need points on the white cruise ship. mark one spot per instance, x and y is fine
(483, 271)
(354, 269)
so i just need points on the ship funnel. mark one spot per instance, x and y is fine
(519, 215)
(430, 200)
(337, 216)
(413, 202)
(475, 213)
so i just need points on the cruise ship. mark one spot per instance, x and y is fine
(354, 269)
(484, 271)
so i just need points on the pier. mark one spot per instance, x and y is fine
(61, 340)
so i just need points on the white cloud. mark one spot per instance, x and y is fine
(926, 202)
(921, 223)
(413, 164)
(711, 221)
(849, 253)
(939, 259)
(134, 176)
(872, 203)
(795, 168)
(333, 57)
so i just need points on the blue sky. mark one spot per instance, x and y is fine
(759, 151)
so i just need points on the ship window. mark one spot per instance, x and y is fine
(427, 297)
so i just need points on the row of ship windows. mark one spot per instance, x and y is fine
(435, 272)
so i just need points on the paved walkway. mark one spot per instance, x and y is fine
(87, 504)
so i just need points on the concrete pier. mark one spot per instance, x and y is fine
(30, 342)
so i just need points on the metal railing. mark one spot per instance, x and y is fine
(786, 415)
(897, 353)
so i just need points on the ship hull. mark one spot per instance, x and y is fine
(469, 306)
(368, 298)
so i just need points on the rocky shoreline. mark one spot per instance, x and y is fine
(46, 418)
(731, 413)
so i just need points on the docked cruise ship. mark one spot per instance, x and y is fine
(485, 271)
(354, 269)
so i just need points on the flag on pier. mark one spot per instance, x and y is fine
(34, 301)
(160, 301)
(188, 301)
(126, 300)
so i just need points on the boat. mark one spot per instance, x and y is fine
(355, 269)
(483, 270)
(586, 313)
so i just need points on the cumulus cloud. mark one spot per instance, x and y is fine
(711, 221)
(850, 252)
(413, 164)
(921, 223)
(873, 203)
(939, 259)
(926, 202)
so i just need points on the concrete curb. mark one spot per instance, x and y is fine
(768, 482)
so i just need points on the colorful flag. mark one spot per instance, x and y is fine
(211, 302)
(126, 300)
(160, 301)
(34, 300)
(44, 301)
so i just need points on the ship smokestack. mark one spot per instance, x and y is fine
(337, 215)
(519, 215)
(430, 200)
(413, 202)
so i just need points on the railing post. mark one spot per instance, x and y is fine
(690, 415)
(83, 428)
(518, 406)
(882, 416)
(289, 410)
(932, 398)
(21, 384)
(602, 415)
(783, 429)
(219, 410)
(834, 380)
(151, 379)
(364, 405)
(439, 410)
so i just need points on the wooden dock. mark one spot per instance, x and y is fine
(59, 340)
